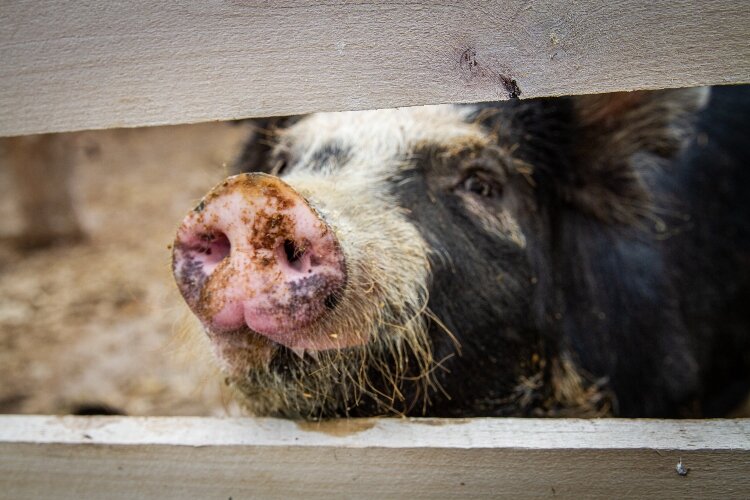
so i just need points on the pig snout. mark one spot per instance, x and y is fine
(255, 254)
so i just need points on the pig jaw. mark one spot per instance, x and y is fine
(255, 257)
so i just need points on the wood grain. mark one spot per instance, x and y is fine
(121, 457)
(77, 64)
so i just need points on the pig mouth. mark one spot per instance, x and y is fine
(294, 333)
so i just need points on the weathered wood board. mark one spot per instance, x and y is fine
(77, 64)
(122, 457)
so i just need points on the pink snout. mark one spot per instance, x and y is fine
(254, 253)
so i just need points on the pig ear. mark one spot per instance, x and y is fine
(615, 137)
(254, 156)
(624, 123)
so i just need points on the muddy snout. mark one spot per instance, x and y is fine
(255, 254)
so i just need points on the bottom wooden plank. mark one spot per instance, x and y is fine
(44, 457)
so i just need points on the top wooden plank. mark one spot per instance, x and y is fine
(70, 65)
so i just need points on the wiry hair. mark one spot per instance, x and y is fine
(615, 129)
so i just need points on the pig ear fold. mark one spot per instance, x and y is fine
(621, 124)
(254, 155)
(614, 134)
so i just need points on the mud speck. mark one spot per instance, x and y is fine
(338, 428)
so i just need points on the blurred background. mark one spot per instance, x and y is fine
(90, 319)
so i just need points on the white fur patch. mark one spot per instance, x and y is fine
(380, 137)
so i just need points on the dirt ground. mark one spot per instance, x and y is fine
(98, 322)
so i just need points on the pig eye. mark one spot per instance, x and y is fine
(480, 183)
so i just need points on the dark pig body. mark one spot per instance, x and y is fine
(573, 256)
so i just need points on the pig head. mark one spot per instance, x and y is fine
(542, 257)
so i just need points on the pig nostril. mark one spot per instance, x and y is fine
(216, 247)
(293, 254)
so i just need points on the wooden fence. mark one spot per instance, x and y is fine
(130, 457)
(72, 65)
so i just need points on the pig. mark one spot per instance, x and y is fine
(572, 256)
